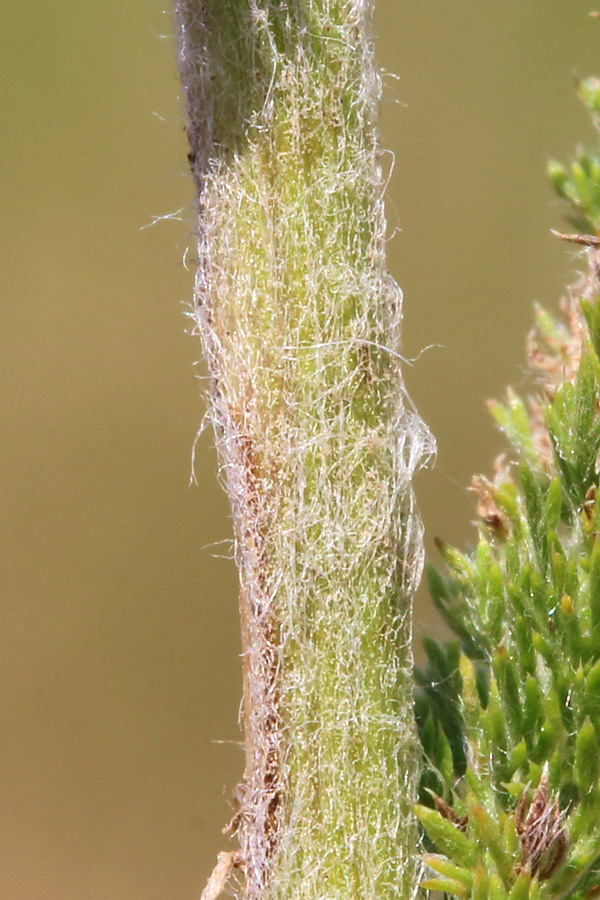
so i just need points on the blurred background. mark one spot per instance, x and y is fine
(119, 669)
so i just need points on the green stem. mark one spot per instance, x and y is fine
(300, 324)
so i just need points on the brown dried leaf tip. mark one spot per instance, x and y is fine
(586, 240)
(543, 840)
(447, 812)
(590, 502)
(488, 510)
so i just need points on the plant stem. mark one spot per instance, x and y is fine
(300, 324)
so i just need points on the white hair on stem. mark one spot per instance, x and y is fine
(300, 324)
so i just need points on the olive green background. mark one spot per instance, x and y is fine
(119, 669)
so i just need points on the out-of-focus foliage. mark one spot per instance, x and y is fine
(509, 712)
(579, 183)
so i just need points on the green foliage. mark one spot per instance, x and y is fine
(509, 711)
(579, 183)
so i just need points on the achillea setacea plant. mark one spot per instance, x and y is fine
(509, 712)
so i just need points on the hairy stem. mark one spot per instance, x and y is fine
(300, 324)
